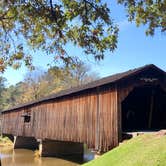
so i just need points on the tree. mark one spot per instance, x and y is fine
(151, 12)
(50, 24)
(2, 88)
(10, 95)
(34, 86)
(39, 83)
(70, 76)
(80, 73)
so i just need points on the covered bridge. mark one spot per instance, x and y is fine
(96, 113)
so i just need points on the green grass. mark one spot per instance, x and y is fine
(144, 150)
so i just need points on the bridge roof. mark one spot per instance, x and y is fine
(106, 80)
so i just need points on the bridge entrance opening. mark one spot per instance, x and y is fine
(144, 109)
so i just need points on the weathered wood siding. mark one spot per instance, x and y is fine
(108, 126)
(89, 117)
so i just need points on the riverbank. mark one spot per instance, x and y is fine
(4, 141)
(144, 150)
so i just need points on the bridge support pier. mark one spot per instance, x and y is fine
(11, 137)
(51, 148)
(25, 142)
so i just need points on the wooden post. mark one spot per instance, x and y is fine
(151, 109)
(97, 140)
(1, 123)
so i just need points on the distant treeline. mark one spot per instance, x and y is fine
(39, 83)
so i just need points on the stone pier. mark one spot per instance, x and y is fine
(51, 148)
(25, 143)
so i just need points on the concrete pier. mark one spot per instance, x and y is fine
(25, 143)
(51, 148)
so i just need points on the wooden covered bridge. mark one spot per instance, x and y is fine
(96, 113)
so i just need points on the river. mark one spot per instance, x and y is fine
(23, 157)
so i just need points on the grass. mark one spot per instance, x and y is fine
(4, 141)
(144, 150)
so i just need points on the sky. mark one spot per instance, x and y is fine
(134, 49)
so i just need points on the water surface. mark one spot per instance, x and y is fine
(23, 157)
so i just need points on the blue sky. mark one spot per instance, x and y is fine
(135, 49)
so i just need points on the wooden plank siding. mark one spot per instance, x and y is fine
(108, 128)
(77, 118)
(88, 114)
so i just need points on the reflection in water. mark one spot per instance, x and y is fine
(23, 157)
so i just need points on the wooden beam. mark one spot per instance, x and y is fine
(151, 109)
(97, 140)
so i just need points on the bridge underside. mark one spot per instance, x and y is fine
(49, 148)
(10, 136)
(25, 143)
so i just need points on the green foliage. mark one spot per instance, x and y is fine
(151, 12)
(2, 88)
(10, 96)
(39, 83)
(145, 150)
(65, 77)
(49, 25)
(4, 141)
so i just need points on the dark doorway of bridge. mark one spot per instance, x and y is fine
(144, 109)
